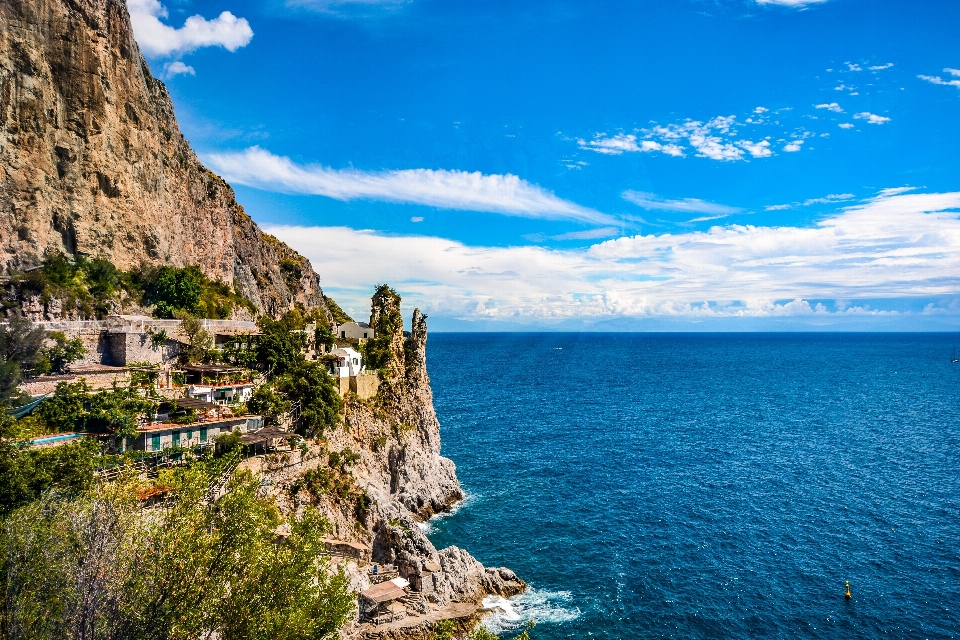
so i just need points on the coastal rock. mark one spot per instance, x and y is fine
(93, 161)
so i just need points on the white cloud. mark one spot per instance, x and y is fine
(756, 149)
(846, 125)
(832, 106)
(588, 234)
(890, 247)
(881, 67)
(416, 219)
(461, 190)
(871, 118)
(939, 80)
(690, 205)
(177, 68)
(800, 4)
(853, 66)
(626, 143)
(779, 207)
(829, 199)
(158, 39)
(793, 147)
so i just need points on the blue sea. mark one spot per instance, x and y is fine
(708, 485)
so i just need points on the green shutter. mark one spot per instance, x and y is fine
(203, 435)
(155, 443)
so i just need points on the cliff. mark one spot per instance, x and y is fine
(92, 160)
(403, 477)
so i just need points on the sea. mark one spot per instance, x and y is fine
(708, 485)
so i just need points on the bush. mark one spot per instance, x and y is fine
(227, 443)
(96, 565)
(62, 354)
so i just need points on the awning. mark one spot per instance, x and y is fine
(188, 403)
(267, 433)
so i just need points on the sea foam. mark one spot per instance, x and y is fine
(542, 607)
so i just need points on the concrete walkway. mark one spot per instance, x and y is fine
(419, 626)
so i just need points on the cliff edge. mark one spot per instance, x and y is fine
(92, 160)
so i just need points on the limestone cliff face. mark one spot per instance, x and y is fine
(92, 160)
(402, 471)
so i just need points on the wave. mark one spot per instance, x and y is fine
(542, 607)
(427, 525)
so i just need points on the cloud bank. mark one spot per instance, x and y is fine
(158, 39)
(445, 189)
(894, 246)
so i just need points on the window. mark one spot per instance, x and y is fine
(189, 436)
(203, 436)
(155, 443)
(343, 334)
(176, 438)
(364, 334)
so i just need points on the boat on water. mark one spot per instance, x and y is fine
(954, 357)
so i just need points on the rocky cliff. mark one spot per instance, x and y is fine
(403, 477)
(92, 160)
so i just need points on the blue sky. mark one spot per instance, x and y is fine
(687, 164)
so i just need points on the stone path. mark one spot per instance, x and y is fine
(414, 626)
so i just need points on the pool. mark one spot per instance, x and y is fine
(57, 438)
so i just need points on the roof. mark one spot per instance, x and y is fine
(190, 403)
(209, 368)
(400, 582)
(83, 369)
(431, 566)
(267, 433)
(347, 351)
(384, 592)
(193, 426)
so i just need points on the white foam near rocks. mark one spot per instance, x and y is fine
(427, 526)
(543, 607)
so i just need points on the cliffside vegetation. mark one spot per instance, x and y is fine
(22, 353)
(89, 288)
(93, 563)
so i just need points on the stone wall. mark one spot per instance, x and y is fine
(365, 385)
(125, 348)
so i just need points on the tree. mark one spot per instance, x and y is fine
(199, 340)
(75, 408)
(26, 473)
(20, 347)
(313, 390)
(64, 352)
(269, 403)
(281, 343)
(174, 289)
(98, 566)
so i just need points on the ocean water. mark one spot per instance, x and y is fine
(708, 485)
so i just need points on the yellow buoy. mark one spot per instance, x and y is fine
(848, 594)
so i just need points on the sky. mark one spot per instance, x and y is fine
(590, 165)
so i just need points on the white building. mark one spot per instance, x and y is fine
(221, 394)
(354, 331)
(348, 363)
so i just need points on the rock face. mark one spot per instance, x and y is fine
(401, 471)
(92, 160)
